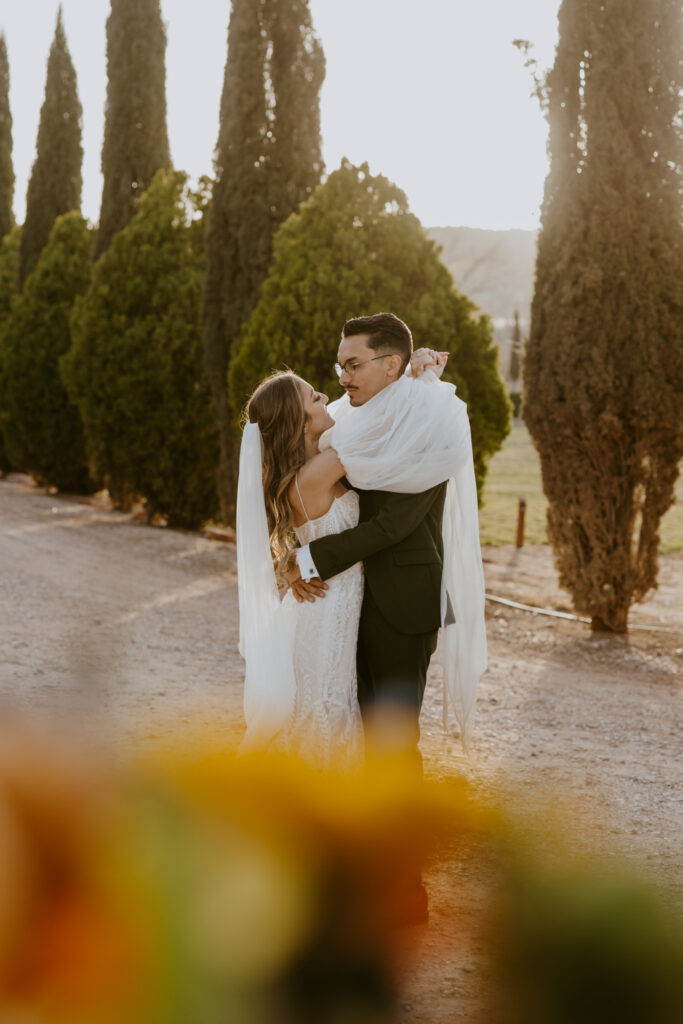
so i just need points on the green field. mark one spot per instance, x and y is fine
(515, 472)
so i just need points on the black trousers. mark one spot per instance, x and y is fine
(392, 674)
(392, 670)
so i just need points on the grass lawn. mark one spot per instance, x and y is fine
(515, 472)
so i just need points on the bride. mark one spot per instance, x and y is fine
(304, 494)
(300, 682)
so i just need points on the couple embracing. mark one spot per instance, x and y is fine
(367, 509)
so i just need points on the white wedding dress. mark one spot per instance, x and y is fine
(326, 728)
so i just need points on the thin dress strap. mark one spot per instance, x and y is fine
(296, 481)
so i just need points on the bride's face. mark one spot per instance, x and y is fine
(318, 418)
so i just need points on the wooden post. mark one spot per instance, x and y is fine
(520, 523)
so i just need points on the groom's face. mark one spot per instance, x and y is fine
(366, 370)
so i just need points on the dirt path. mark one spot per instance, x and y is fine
(99, 613)
(106, 620)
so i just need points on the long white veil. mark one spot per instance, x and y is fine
(265, 630)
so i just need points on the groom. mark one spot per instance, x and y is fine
(399, 541)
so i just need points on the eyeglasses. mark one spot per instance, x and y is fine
(350, 368)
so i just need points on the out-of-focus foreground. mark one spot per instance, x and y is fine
(196, 886)
(121, 633)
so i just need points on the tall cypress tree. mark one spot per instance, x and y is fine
(135, 142)
(6, 169)
(296, 70)
(9, 272)
(515, 367)
(55, 184)
(604, 365)
(9, 265)
(515, 351)
(268, 160)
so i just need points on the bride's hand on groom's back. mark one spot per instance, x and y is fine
(308, 591)
(427, 359)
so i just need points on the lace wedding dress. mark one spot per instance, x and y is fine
(326, 728)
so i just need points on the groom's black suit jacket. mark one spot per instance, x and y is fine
(399, 541)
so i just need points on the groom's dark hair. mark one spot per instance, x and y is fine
(385, 331)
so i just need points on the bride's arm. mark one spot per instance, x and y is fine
(322, 471)
(426, 359)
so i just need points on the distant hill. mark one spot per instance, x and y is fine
(494, 268)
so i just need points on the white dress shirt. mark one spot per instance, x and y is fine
(306, 564)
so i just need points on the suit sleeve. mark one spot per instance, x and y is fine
(398, 517)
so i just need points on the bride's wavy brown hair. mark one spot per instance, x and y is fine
(278, 408)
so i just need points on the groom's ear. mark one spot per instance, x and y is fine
(395, 365)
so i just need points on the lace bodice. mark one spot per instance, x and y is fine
(326, 728)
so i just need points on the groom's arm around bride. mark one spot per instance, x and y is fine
(399, 541)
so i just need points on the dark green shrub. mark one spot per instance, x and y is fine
(354, 249)
(41, 427)
(136, 368)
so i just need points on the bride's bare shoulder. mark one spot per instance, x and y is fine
(313, 488)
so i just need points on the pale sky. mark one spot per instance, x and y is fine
(431, 93)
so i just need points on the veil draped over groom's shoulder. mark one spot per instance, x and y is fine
(409, 437)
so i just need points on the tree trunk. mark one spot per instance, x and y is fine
(613, 620)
